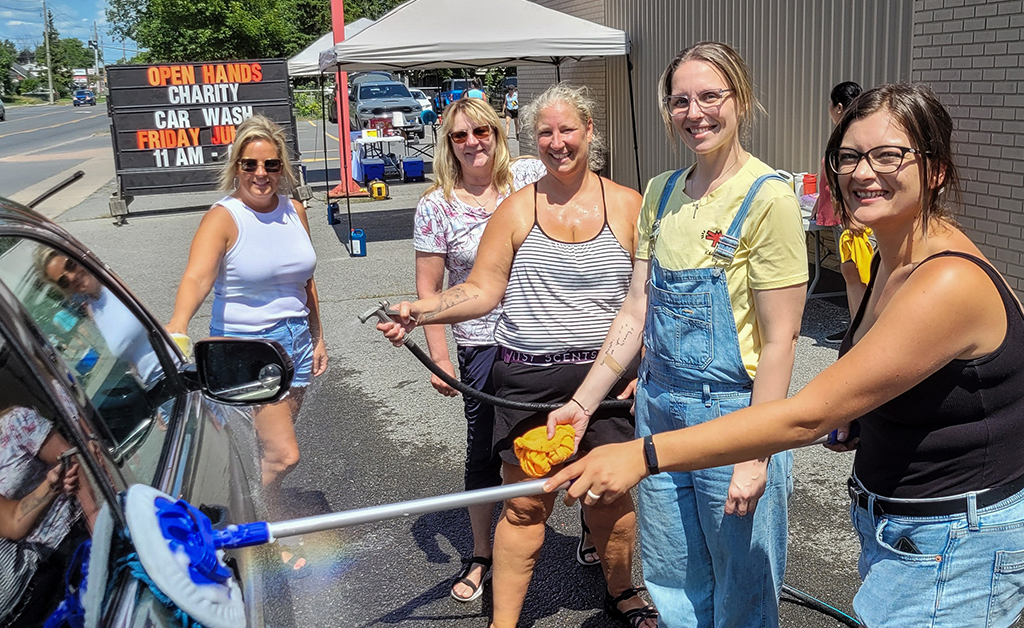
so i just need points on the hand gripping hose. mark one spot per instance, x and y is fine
(384, 315)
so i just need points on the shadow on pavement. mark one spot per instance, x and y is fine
(379, 226)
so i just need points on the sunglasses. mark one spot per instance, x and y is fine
(480, 133)
(70, 266)
(270, 165)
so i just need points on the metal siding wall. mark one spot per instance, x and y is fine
(796, 49)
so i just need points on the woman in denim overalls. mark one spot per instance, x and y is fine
(718, 292)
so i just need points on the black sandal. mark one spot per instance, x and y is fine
(463, 578)
(586, 556)
(634, 617)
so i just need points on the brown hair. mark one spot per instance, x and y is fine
(929, 127)
(730, 65)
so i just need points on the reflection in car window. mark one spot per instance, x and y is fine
(48, 506)
(101, 341)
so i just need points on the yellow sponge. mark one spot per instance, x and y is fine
(537, 454)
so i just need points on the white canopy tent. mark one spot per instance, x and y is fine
(423, 34)
(307, 62)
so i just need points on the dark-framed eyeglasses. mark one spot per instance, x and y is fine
(881, 159)
(707, 99)
(480, 133)
(70, 266)
(270, 165)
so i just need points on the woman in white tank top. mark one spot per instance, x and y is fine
(257, 294)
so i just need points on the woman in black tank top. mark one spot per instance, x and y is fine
(931, 377)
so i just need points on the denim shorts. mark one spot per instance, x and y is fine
(293, 334)
(957, 571)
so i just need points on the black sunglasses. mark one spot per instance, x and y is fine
(480, 133)
(70, 266)
(270, 165)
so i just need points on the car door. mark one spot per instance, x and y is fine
(123, 371)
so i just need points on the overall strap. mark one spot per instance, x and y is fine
(666, 192)
(725, 250)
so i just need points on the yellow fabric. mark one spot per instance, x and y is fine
(772, 252)
(537, 454)
(857, 248)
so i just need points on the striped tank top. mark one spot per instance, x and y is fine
(563, 296)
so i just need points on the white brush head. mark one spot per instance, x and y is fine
(211, 604)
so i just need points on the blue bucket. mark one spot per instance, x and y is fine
(358, 242)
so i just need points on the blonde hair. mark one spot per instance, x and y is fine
(578, 99)
(258, 127)
(730, 65)
(448, 168)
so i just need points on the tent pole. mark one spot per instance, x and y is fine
(323, 127)
(558, 71)
(632, 115)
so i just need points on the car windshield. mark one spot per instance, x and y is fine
(457, 84)
(83, 93)
(383, 90)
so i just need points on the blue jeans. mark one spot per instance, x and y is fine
(969, 571)
(696, 558)
(292, 334)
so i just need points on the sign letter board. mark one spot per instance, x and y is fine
(172, 125)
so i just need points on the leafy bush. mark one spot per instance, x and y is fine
(307, 105)
(29, 85)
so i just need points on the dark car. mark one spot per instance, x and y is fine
(91, 386)
(3, 112)
(83, 97)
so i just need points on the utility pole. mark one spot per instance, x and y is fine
(95, 45)
(46, 44)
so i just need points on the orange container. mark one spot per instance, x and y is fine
(810, 183)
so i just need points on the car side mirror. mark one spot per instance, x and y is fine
(243, 372)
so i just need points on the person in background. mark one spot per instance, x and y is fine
(853, 244)
(717, 297)
(475, 90)
(558, 256)
(253, 250)
(932, 371)
(473, 176)
(511, 109)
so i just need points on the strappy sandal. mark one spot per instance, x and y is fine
(634, 617)
(463, 578)
(586, 556)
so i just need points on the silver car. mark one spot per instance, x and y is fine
(375, 104)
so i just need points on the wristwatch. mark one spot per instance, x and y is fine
(651, 456)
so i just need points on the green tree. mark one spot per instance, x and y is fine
(8, 54)
(373, 9)
(26, 56)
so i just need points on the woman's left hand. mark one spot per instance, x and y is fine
(319, 358)
(746, 487)
(608, 472)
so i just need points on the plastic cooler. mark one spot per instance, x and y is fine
(373, 169)
(412, 169)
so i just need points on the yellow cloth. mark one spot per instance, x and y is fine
(772, 252)
(537, 454)
(857, 248)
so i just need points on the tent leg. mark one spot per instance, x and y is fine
(632, 115)
(558, 72)
(323, 127)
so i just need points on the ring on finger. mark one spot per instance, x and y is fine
(592, 495)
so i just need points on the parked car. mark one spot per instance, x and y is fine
(422, 99)
(91, 381)
(3, 112)
(371, 104)
(451, 90)
(83, 97)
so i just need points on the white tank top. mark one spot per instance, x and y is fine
(262, 278)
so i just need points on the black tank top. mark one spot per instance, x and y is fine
(959, 430)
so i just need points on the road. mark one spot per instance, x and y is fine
(44, 144)
(373, 431)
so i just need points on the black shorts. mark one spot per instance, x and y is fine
(512, 113)
(552, 384)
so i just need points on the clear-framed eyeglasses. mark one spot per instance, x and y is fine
(708, 99)
(881, 159)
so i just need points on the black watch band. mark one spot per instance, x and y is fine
(651, 456)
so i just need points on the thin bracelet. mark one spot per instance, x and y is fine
(582, 407)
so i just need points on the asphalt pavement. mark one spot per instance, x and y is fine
(373, 431)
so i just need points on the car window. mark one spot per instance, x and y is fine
(102, 343)
(38, 465)
(371, 92)
(417, 94)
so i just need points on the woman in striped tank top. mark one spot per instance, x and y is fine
(560, 254)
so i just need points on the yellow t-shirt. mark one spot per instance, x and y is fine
(772, 252)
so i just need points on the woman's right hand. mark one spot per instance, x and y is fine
(396, 330)
(438, 383)
(569, 414)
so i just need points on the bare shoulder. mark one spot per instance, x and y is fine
(515, 214)
(622, 198)
(218, 220)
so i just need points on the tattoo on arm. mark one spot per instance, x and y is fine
(448, 300)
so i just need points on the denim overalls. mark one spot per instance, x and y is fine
(703, 568)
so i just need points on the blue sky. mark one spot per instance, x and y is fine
(21, 22)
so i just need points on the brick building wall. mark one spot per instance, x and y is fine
(971, 53)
